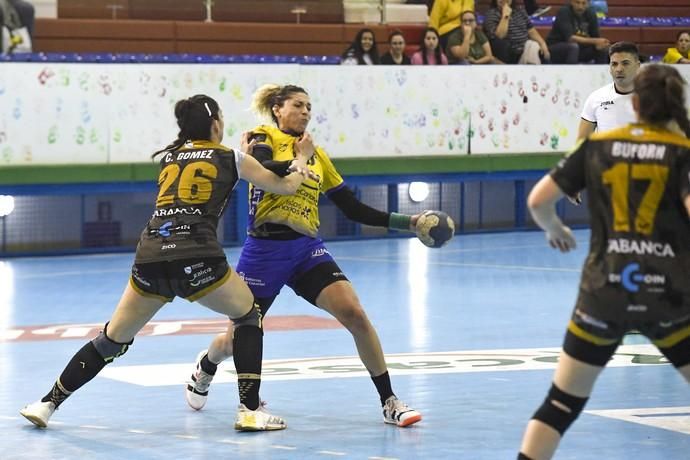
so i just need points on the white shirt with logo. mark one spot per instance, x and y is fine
(608, 108)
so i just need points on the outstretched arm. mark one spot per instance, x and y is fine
(355, 210)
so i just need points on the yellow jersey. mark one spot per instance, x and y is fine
(300, 211)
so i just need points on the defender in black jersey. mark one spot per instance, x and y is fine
(283, 247)
(637, 271)
(179, 255)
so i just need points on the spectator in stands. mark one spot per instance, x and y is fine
(445, 17)
(469, 45)
(15, 14)
(681, 53)
(396, 50)
(362, 50)
(25, 11)
(512, 36)
(430, 52)
(575, 36)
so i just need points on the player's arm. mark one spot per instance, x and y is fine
(542, 205)
(344, 198)
(585, 128)
(685, 185)
(252, 144)
(253, 171)
(566, 178)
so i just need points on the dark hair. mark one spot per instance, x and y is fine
(194, 117)
(395, 33)
(269, 95)
(660, 89)
(513, 5)
(681, 33)
(422, 47)
(625, 47)
(355, 49)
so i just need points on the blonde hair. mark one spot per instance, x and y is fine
(262, 100)
(269, 95)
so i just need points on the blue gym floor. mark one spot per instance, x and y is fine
(470, 332)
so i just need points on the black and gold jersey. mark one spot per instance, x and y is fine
(194, 185)
(636, 177)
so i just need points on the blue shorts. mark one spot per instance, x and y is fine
(268, 265)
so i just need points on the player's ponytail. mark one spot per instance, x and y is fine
(660, 90)
(194, 118)
(675, 99)
(262, 101)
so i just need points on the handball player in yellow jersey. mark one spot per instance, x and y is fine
(283, 247)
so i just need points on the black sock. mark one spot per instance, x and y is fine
(522, 456)
(248, 351)
(83, 367)
(207, 366)
(383, 386)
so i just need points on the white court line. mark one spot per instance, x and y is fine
(447, 250)
(365, 259)
(278, 446)
(140, 432)
(93, 427)
(230, 441)
(472, 265)
(185, 436)
(330, 452)
(70, 273)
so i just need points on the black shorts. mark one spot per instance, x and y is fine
(308, 285)
(190, 279)
(593, 340)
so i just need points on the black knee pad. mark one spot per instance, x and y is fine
(109, 349)
(253, 318)
(559, 410)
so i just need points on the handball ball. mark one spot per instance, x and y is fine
(435, 228)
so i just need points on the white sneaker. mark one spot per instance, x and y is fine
(397, 413)
(39, 412)
(196, 392)
(257, 420)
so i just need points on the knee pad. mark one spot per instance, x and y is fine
(108, 349)
(559, 410)
(253, 318)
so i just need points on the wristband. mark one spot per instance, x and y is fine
(399, 221)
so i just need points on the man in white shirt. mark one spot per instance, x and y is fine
(611, 106)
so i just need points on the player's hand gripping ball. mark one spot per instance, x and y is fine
(435, 228)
